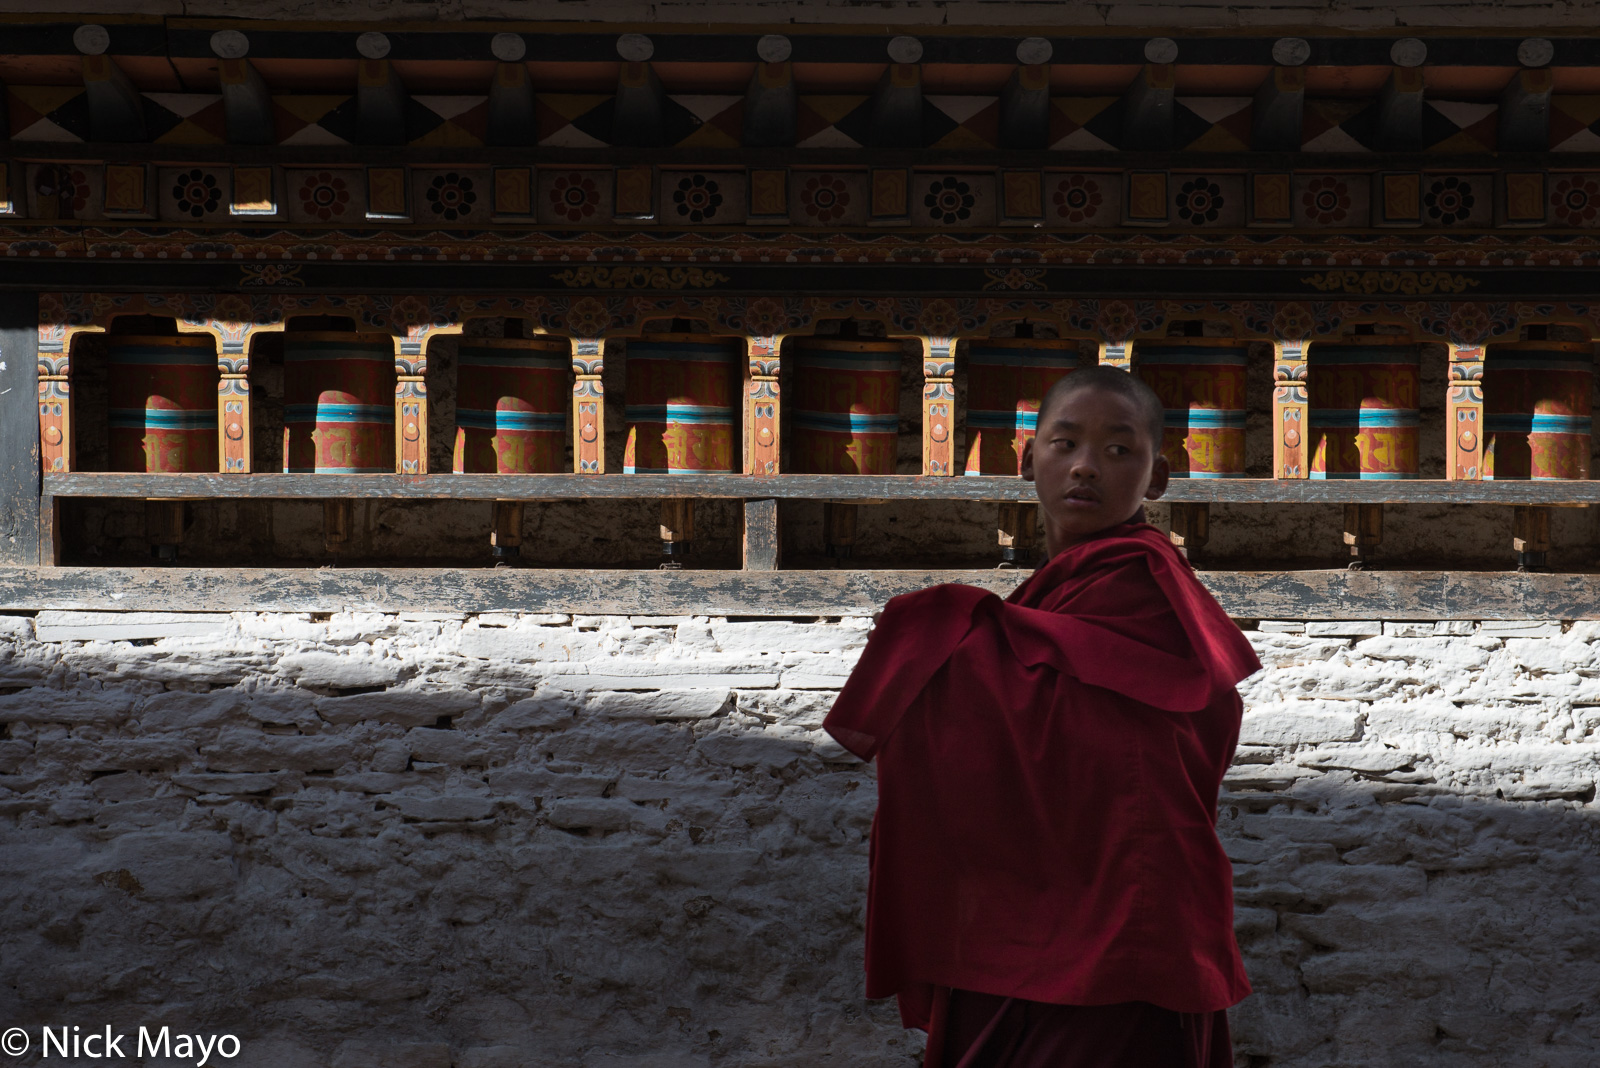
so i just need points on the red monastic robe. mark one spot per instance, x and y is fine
(1048, 771)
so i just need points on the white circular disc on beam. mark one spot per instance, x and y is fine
(635, 47)
(92, 39)
(1290, 51)
(774, 48)
(1034, 51)
(905, 50)
(508, 47)
(1535, 52)
(373, 45)
(1161, 50)
(230, 44)
(1408, 52)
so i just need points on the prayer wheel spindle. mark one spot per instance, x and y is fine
(846, 417)
(163, 418)
(512, 395)
(680, 410)
(1201, 382)
(338, 414)
(1538, 420)
(1364, 412)
(1007, 379)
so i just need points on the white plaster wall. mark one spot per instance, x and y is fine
(418, 841)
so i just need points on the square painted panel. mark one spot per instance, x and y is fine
(828, 198)
(451, 196)
(127, 190)
(1207, 200)
(569, 197)
(325, 195)
(1450, 200)
(64, 191)
(193, 194)
(952, 201)
(1523, 199)
(1082, 201)
(703, 198)
(1333, 201)
(1575, 200)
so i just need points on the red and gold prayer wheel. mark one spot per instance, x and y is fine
(162, 394)
(512, 396)
(1006, 380)
(1364, 408)
(846, 405)
(338, 403)
(1537, 409)
(1200, 381)
(682, 389)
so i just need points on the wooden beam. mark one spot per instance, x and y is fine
(511, 112)
(380, 103)
(19, 429)
(771, 107)
(1523, 123)
(999, 488)
(897, 108)
(1279, 112)
(1398, 124)
(1308, 595)
(246, 103)
(116, 110)
(636, 109)
(1147, 109)
(1025, 108)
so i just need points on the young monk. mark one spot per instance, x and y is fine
(1047, 888)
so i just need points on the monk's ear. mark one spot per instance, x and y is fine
(1160, 474)
(1027, 460)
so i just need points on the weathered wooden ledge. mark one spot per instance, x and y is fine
(1313, 595)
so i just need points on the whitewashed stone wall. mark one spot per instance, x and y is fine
(422, 841)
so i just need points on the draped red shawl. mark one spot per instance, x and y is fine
(1048, 770)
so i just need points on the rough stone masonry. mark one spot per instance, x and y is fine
(418, 841)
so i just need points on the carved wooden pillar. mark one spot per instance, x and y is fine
(1463, 417)
(411, 395)
(1291, 409)
(234, 415)
(762, 449)
(938, 405)
(58, 449)
(1118, 354)
(588, 407)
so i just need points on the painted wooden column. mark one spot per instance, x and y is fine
(20, 502)
(761, 444)
(1464, 414)
(588, 407)
(234, 416)
(1118, 354)
(58, 452)
(1291, 410)
(411, 395)
(938, 405)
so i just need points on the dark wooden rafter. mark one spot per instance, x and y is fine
(1524, 115)
(1025, 108)
(897, 108)
(637, 109)
(511, 107)
(116, 110)
(1278, 116)
(246, 103)
(380, 103)
(1147, 109)
(1399, 111)
(771, 106)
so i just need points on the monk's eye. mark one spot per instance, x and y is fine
(1119, 450)
(1064, 443)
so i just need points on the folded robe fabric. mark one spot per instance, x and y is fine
(1048, 769)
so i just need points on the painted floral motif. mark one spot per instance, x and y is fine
(451, 196)
(949, 200)
(1326, 200)
(1576, 200)
(587, 317)
(325, 196)
(765, 316)
(1448, 201)
(574, 197)
(1292, 322)
(68, 184)
(1199, 201)
(697, 197)
(196, 193)
(1077, 198)
(824, 197)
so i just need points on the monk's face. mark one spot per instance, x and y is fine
(1093, 464)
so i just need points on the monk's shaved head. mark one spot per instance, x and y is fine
(1114, 380)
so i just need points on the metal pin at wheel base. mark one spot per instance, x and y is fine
(839, 529)
(506, 537)
(338, 519)
(1530, 537)
(1191, 529)
(677, 531)
(1018, 528)
(1363, 530)
(163, 527)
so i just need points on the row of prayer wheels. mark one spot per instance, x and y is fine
(513, 397)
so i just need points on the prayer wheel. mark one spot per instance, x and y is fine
(1537, 410)
(512, 396)
(338, 413)
(162, 394)
(1363, 422)
(1200, 381)
(682, 389)
(846, 421)
(1007, 379)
